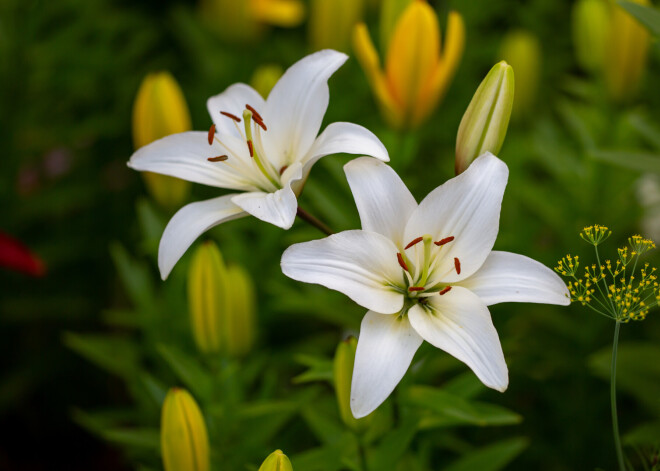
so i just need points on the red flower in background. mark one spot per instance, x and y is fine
(16, 256)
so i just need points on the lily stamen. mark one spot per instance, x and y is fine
(220, 158)
(261, 124)
(254, 113)
(457, 265)
(231, 116)
(413, 242)
(250, 148)
(444, 290)
(416, 288)
(211, 134)
(402, 263)
(442, 242)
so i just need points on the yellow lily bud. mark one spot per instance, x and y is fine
(484, 124)
(591, 25)
(265, 77)
(160, 110)
(390, 11)
(331, 23)
(183, 438)
(239, 321)
(207, 299)
(343, 375)
(417, 73)
(244, 20)
(522, 50)
(276, 461)
(628, 44)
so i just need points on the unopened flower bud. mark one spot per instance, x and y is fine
(160, 109)
(627, 49)
(207, 299)
(591, 24)
(239, 320)
(522, 50)
(265, 77)
(183, 438)
(276, 461)
(343, 375)
(484, 124)
(331, 23)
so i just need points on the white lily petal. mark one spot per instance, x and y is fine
(184, 156)
(278, 208)
(382, 199)
(296, 105)
(360, 264)
(466, 207)
(233, 100)
(459, 323)
(189, 223)
(347, 138)
(386, 346)
(509, 277)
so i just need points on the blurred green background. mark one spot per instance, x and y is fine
(69, 73)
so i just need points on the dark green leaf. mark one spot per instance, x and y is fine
(647, 16)
(115, 354)
(490, 458)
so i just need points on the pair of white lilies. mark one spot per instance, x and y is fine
(425, 271)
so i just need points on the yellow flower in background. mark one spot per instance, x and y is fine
(522, 50)
(265, 77)
(417, 72)
(239, 322)
(243, 20)
(331, 23)
(183, 438)
(276, 461)
(159, 110)
(207, 297)
(627, 48)
(485, 122)
(591, 26)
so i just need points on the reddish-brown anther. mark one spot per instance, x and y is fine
(444, 290)
(229, 115)
(219, 158)
(399, 257)
(250, 148)
(254, 112)
(457, 265)
(416, 288)
(444, 241)
(283, 169)
(261, 124)
(413, 242)
(211, 134)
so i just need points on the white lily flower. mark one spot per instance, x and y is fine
(425, 272)
(263, 149)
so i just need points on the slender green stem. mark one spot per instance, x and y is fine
(308, 218)
(362, 453)
(615, 419)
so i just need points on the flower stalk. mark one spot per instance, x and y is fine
(615, 418)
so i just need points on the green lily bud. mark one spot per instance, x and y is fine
(239, 321)
(522, 51)
(159, 110)
(276, 461)
(591, 24)
(484, 124)
(343, 375)
(183, 438)
(331, 23)
(207, 300)
(627, 48)
(265, 77)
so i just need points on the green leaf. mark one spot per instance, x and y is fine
(188, 370)
(448, 409)
(135, 277)
(644, 435)
(320, 369)
(322, 425)
(490, 458)
(633, 160)
(141, 437)
(394, 444)
(117, 355)
(647, 16)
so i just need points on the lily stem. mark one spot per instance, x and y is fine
(308, 218)
(615, 419)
